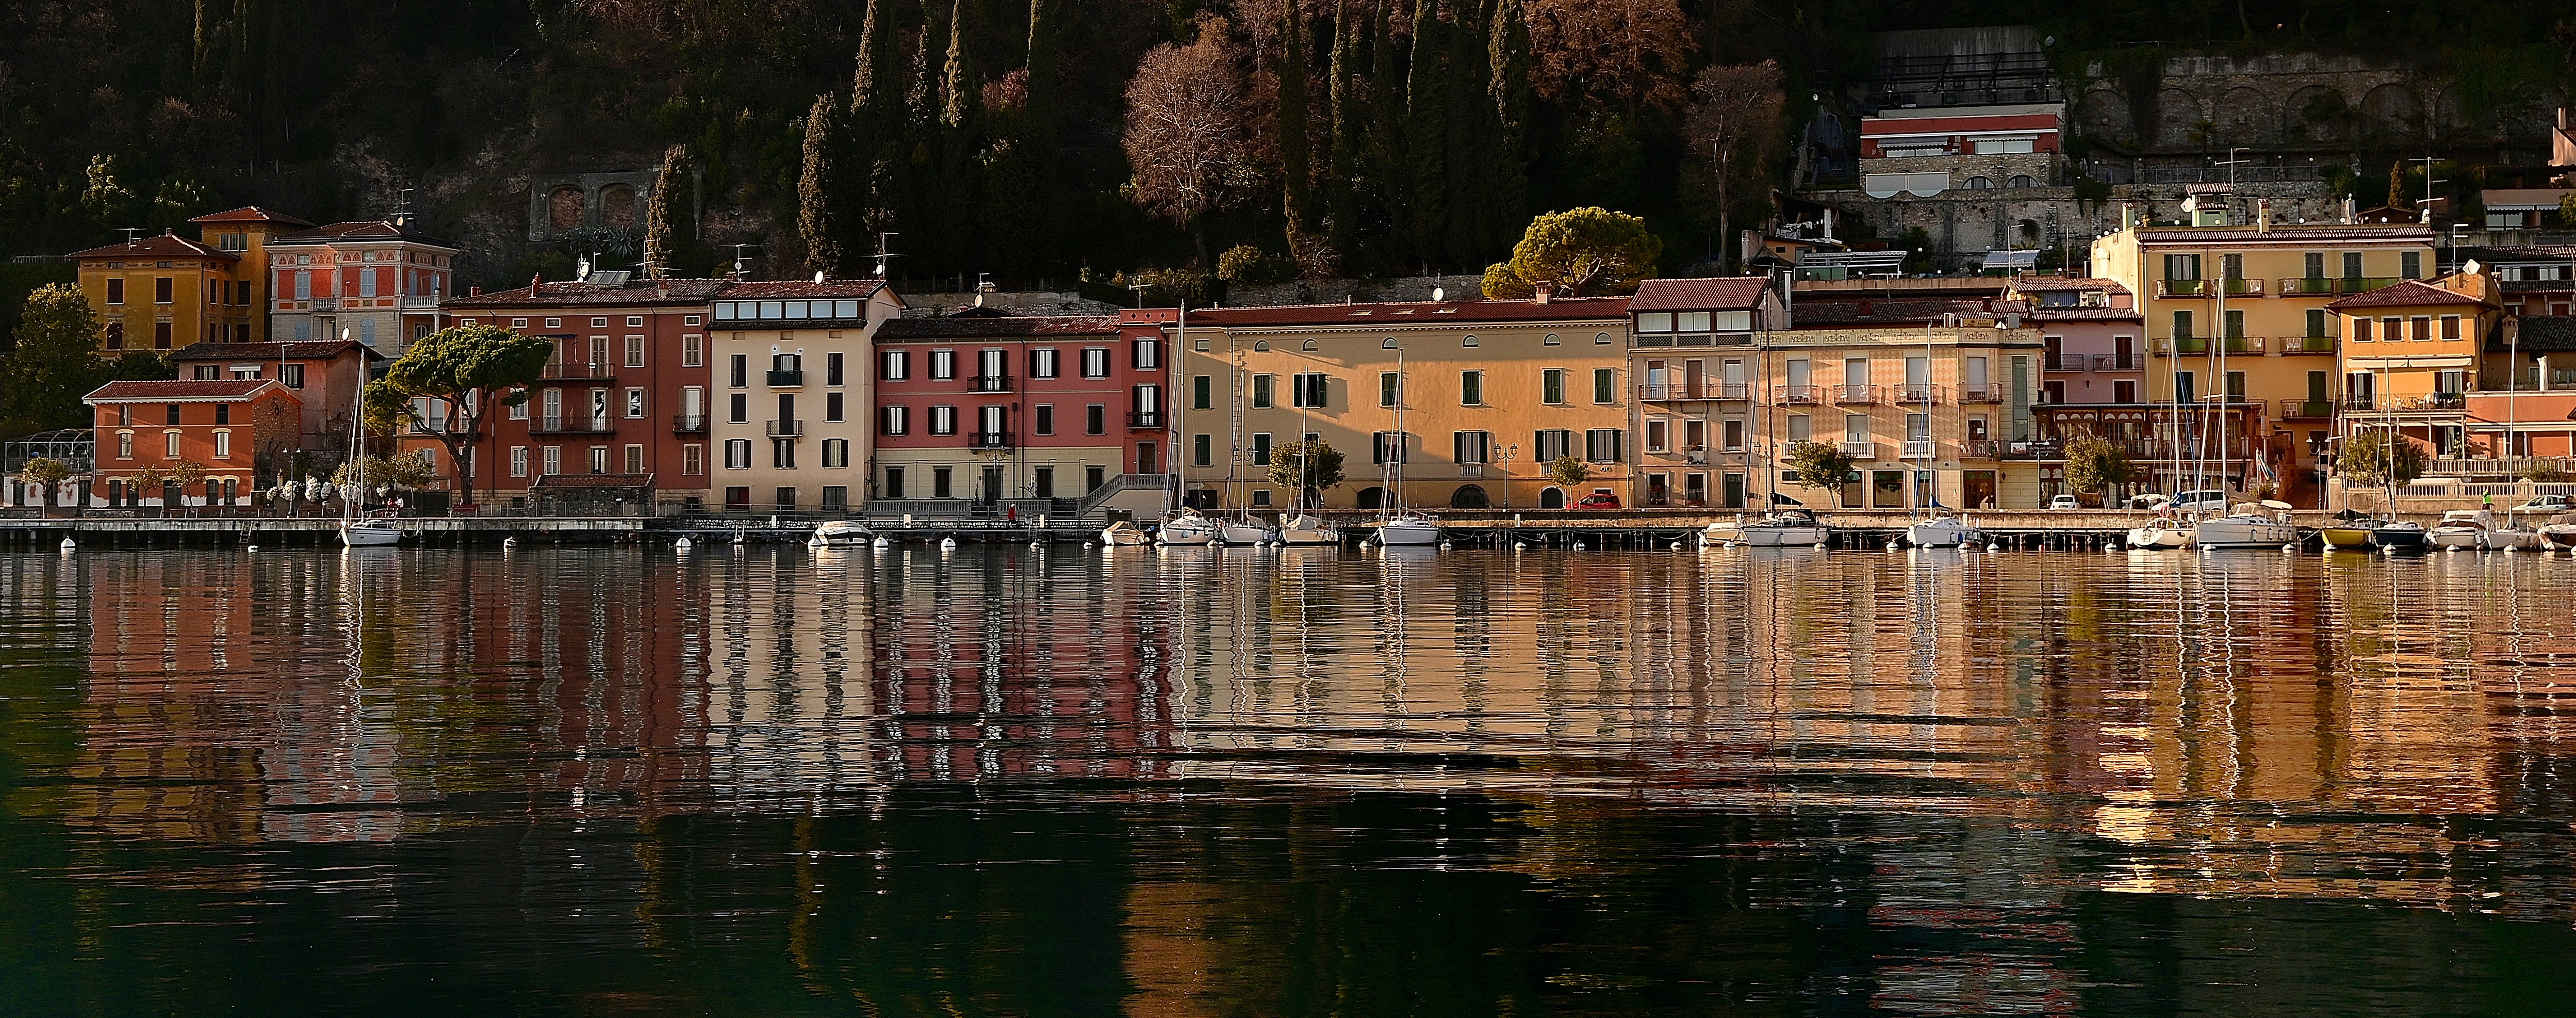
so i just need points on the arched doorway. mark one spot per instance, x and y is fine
(1469, 496)
(1552, 498)
(1372, 498)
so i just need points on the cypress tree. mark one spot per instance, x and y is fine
(1509, 63)
(960, 141)
(1468, 131)
(1038, 131)
(1292, 127)
(875, 124)
(1384, 157)
(1426, 117)
(818, 222)
(1339, 215)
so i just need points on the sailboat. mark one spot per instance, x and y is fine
(2249, 525)
(1405, 527)
(355, 532)
(1940, 527)
(2161, 533)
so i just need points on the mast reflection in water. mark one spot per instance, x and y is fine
(1312, 781)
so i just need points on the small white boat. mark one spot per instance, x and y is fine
(2461, 528)
(1408, 530)
(1788, 528)
(2248, 525)
(370, 533)
(2560, 533)
(2513, 536)
(1243, 530)
(1122, 534)
(1944, 532)
(1306, 529)
(1724, 531)
(2161, 533)
(842, 532)
(1187, 527)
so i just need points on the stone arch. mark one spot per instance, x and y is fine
(564, 208)
(1552, 498)
(2316, 114)
(2103, 113)
(1469, 496)
(617, 206)
(2392, 112)
(2178, 115)
(2245, 117)
(1372, 498)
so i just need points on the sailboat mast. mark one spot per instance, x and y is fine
(1180, 406)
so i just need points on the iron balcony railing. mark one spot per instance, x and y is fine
(1859, 395)
(988, 440)
(1920, 394)
(989, 383)
(787, 379)
(786, 429)
(2291, 345)
(1980, 449)
(2334, 287)
(1988, 393)
(575, 371)
(1143, 419)
(1861, 450)
(2306, 409)
(572, 426)
(688, 424)
(1798, 395)
(1702, 390)
(1919, 449)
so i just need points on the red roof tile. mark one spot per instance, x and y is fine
(163, 246)
(561, 295)
(971, 326)
(1725, 293)
(182, 391)
(1417, 313)
(2404, 293)
(377, 230)
(318, 349)
(250, 214)
(801, 288)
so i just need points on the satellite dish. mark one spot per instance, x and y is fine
(818, 275)
(1439, 294)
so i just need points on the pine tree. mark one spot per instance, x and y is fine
(1426, 117)
(1297, 175)
(818, 220)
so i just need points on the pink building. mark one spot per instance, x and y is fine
(989, 411)
(2094, 334)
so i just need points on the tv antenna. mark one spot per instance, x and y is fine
(885, 251)
(740, 259)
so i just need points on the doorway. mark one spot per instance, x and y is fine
(1469, 496)
(1552, 498)
(1372, 498)
(1979, 488)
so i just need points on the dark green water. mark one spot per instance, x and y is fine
(1005, 782)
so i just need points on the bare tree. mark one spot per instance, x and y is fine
(1633, 52)
(1186, 117)
(1734, 118)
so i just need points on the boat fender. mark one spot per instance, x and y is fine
(2508, 549)
(1519, 545)
(250, 547)
(1033, 544)
(948, 544)
(68, 544)
(1891, 546)
(1992, 546)
(881, 543)
(1578, 546)
(1730, 544)
(1677, 546)
(511, 541)
(2289, 549)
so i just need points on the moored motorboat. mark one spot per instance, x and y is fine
(2513, 535)
(1723, 532)
(2400, 536)
(841, 532)
(2559, 534)
(2248, 525)
(1186, 527)
(1408, 529)
(1123, 534)
(1943, 532)
(1788, 528)
(1306, 529)
(2461, 528)
(2161, 533)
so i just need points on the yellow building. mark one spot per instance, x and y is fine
(166, 292)
(1938, 391)
(2260, 291)
(2410, 356)
(1462, 403)
(1696, 355)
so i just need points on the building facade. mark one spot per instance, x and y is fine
(325, 376)
(231, 432)
(2411, 355)
(1696, 351)
(791, 428)
(379, 282)
(1932, 399)
(1019, 413)
(1442, 403)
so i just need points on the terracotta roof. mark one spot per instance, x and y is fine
(1417, 313)
(220, 390)
(2516, 253)
(1811, 314)
(318, 349)
(595, 481)
(561, 295)
(362, 230)
(2039, 314)
(163, 246)
(2546, 334)
(250, 214)
(965, 326)
(2404, 293)
(800, 288)
(1725, 293)
(2054, 284)
(2286, 234)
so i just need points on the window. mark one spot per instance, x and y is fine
(940, 484)
(1979, 184)
(207, 372)
(897, 365)
(832, 369)
(2021, 180)
(2182, 325)
(832, 406)
(836, 453)
(943, 420)
(125, 445)
(1552, 340)
(116, 335)
(160, 335)
(2002, 146)
(2317, 323)
(1732, 434)
(1199, 450)
(1200, 395)
(1042, 482)
(1856, 427)
(894, 482)
(1472, 446)
(1605, 385)
(1467, 341)
(518, 461)
(223, 445)
(2236, 387)
(634, 403)
(1095, 362)
(2182, 266)
(2360, 329)
(2352, 265)
(2392, 329)
(1306, 390)
(1657, 434)
(553, 458)
(2410, 264)
(1042, 363)
(116, 291)
(1045, 421)
(1149, 354)
(292, 375)
(171, 414)
(2235, 324)
(1388, 447)
(1261, 449)
(169, 445)
(2450, 326)
(2185, 388)
(1471, 388)
(693, 351)
(2420, 327)
(1802, 427)
(943, 365)
(737, 454)
(1601, 339)
(1551, 385)
(1601, 445)
(1263, 389)
(693, 460)
(634, 459)
(161, 290)
(740, 407)
(894, 420)
(1095, 419)
(740, 370)
(1387, 388)
(598, 459)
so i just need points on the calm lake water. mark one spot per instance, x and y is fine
(622, 781)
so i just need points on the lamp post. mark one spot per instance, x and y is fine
(1510, 453)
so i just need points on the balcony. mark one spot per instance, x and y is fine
(988, 440)
(2112, 362)
(2209, 288)
(988, 383)
(786, 429)
(1859, 395)
(572, 426)
(2359, 404)
(1142, 420)
(786, 379)
(2191, 344)
(1665, 392)
(1797, 395)
(2293, 345)
(1919, 395)
(1919, 449)
(1861, 450)
(1980, 449)
(572, 371)
(1471, 471)
(2441, 401)
(2343, 287)
(417, 302)
(323, 304)
(1988, 393)
(689, 424)
(2306, 409)
(2244, 344)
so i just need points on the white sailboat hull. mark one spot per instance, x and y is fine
(1942, 534)
(2159, 538)
(370, 534)
(1244, 533)
(1122, 535)
(1187, 532)
(842, 532)
(2515, 538)
(2457, 537)
(2244, 532)
(1759, 536)
(1408, 532)
(1310, 535)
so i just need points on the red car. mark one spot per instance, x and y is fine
(1596, 501)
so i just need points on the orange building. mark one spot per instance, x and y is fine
(166, 292)
(231, 428)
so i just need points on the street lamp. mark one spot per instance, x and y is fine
(1510, 453)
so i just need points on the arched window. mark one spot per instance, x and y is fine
(1467, 341)
(1261, 346)
(1388, 345)
(1551, 339)
(1601, 339)
(1310, 346)
(1979, 184)
(2021, 180)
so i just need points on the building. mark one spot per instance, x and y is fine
(2525, 402)
(379, 282)
(2410, 357)
(166, 292)
(1021, 413)
(324, 375)
(1696, 350)
(2092, 332)
(1931, 397)
(792, 363)
(625, 396)
(232, 431)
(1455, 403)
(2236, 321)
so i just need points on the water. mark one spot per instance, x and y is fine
(619, 781)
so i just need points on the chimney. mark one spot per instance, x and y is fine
(2262, 215)
(1543, 291)
(474, 291)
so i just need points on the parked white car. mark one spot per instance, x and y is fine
(2064, 502)
(2195, 501)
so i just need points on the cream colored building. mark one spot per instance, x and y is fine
(1930, 398)
(790, 427)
